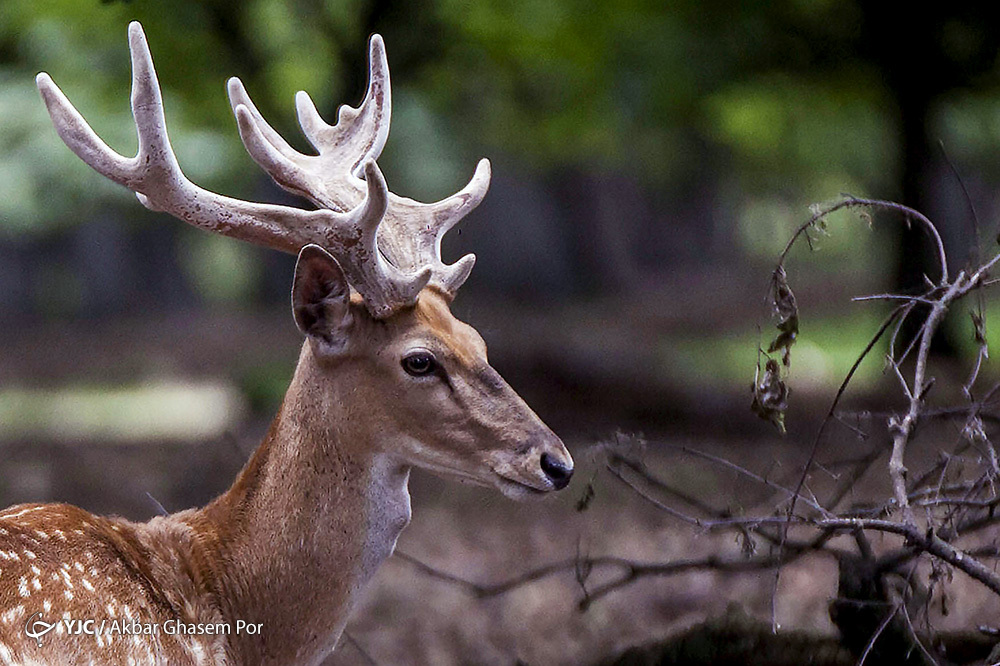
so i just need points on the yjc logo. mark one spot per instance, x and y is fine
(37, 628)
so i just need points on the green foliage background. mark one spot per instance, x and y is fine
(775, 104)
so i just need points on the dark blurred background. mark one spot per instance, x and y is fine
(650, 161)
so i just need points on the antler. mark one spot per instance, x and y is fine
(411, 233)
(389, 246)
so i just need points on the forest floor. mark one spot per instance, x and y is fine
(409, 616)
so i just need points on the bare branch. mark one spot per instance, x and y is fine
(652, 500)
(925, 540)
(853, 202)
(875, 636)
(722, 462)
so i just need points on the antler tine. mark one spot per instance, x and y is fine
(331, 179)
(268, 149)
(78, 135)
(238, 96)
(156, 178)
(384, 287)
(147, 109)
(360, 133)
(418, 228)
(286, 170)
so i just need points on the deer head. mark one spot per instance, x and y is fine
(371, 292)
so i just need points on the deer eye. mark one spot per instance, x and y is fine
(419, 363)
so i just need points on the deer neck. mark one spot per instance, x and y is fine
(312, 515)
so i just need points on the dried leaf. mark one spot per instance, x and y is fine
(770, 395)
(582, 570)
(974, 431)
(748, 545)
(624, 445)
(979, 330)
(787, 311)
(582, 567)
(789, 330)
(784, 299)
(583, 503)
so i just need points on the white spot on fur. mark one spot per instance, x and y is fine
(35, 570)
(22, 587)
(24, 511)
(86, 584)
(30, 554)
(78, 567)
(68, 595)
(37, 584)
(46, 605)
(6, 654)
(13, 614)
(42, 535)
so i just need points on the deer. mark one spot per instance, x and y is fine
(388, 379)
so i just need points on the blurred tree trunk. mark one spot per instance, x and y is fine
(923, 55)
(599, 216)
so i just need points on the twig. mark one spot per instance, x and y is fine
(712, 562)
(925, 540)
(893, 297)
(875, 636)
(861, 467)
(652, 500)
(357, 646)
(642, 472)
(632, 570)
(788, 492)
(901, 429)
(854, 202)
(720, 519)
(915, 637)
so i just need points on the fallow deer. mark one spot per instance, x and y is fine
(388, 379)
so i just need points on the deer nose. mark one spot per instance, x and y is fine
(556, 470)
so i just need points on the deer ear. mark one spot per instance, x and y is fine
(321, 299)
